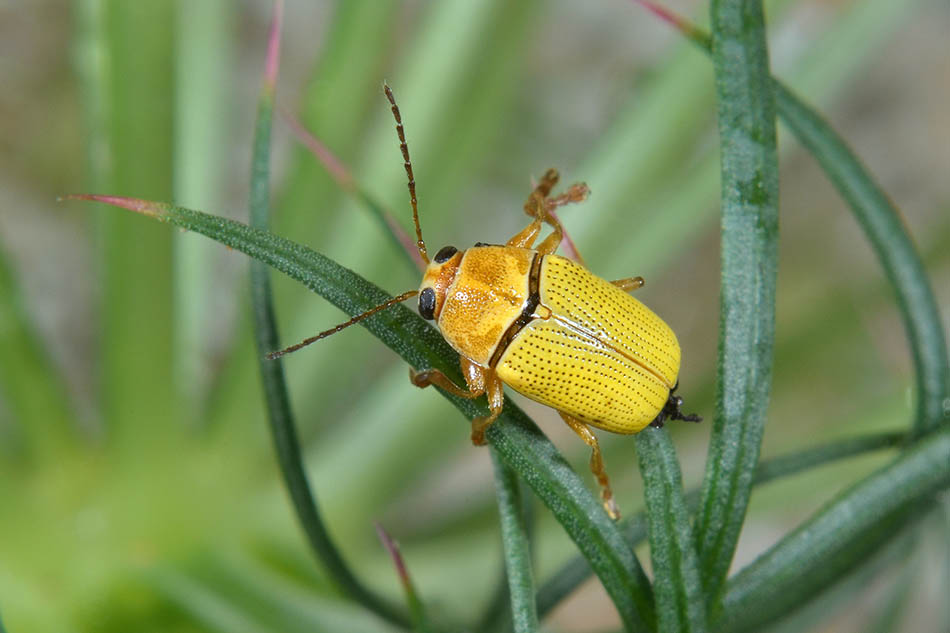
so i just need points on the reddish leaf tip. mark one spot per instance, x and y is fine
(678, 22)
(145, 207)
(393, 548)
(273, 47)
(330, 162)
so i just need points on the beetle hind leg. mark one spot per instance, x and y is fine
(629, 284)
(596, 463)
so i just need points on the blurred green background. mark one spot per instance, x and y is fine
(137, 480)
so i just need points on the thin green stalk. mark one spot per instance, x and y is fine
(137, 394)
(573, 573)
(517, 549)
(887, 616)
(417, 611)
(282, 425)
(204, 49)
(838, 537)
(517, 439)
(33, 391)
(888, 236)
(746, 112)
(212, 610)
(882, 225)
(680, 602)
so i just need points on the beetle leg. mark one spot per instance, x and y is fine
(496, 401)
(552, 241)
(527, 236)
(435, 377)
(596, 464)
(629, 284)
(534, 207)
(479, 381)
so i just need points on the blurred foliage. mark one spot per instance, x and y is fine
(139, 486)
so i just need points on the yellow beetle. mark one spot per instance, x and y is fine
(545, 326)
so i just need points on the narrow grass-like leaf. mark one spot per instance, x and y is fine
(417, 612)
(888, 236)
(33, 391)
(680, 603)
(282, 425)
(518, 440)
(497, 616)
(517, 549)
(345, 180)
(838, 537)
(882, 225)
(213, 611)
(570, 576)
(746, 113)
(886, 617)
(138, 400)
(204, 46)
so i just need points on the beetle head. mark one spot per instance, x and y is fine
(438, 277)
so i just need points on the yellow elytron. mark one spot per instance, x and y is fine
(545, 326)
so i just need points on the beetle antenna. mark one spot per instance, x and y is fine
(343, 326)
(420, 243)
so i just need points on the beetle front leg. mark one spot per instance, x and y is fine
(479, 381)
(526, 237)
(496, 401)
(535, 207)
(596, 464)
(435, 377)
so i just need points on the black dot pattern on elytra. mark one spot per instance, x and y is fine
(610, 315)
(581, 376)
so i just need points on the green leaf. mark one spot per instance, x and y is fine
(280, 416)
(838, 537)
(680, 602)
(573, 573)
(205, 41)
(517, 439)
(203, 603)
(746, 113)
(134, 79)
(514, 539)
(883, 227)
(33, 391)
(417, 611)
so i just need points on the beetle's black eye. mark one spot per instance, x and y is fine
(445, 253)
(427, 302)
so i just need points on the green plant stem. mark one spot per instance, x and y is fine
(749, 252)
(680, 603)
(882, 225)
(417, 610)
(204, 48)
(282, 425)
(904, 269)
(576, 571)
(517, 549)
(138, 400)
(838, 537)
(33, 391)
